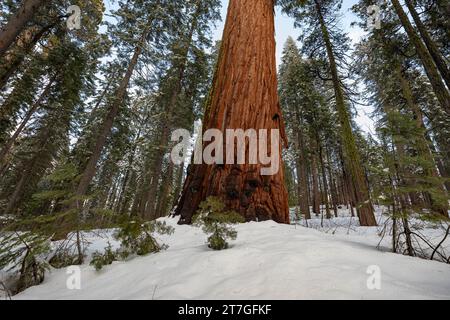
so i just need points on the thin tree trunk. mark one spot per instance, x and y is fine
(244, 96)
(423, 148)
(11, 67)
(431, 45)
(7, 147)
(180, 67)
(315, 184)
(20, 186)
(120, 202)
(17, 23)
(165, 191)
(178, 185)
(105, 129)
(334, 196)
(352, 158)
(302, 171)
(442, 94)
(325, 182)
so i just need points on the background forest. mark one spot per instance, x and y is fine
(86, 117)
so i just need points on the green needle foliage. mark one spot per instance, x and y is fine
(24, 253)
(216, 221)
(136, 238)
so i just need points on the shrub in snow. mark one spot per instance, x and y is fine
(99, 260)
(136, 238)
(24, 254)
(216, 221)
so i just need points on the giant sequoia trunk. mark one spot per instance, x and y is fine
(244, 96)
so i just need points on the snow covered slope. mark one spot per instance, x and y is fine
(267, 261)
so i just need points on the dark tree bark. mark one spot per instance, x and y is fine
(179, 66)
(17, 23)
(431, 45)
(106, 127)
(10, 68)
(8, 145)
(244, 96)
(315, 184)
(423, 148)
(442, 93)
(352, 159)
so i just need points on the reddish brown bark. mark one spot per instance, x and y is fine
(244, 96)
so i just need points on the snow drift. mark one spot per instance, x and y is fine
(267, 261)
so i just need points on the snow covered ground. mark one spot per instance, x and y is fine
(267, 261)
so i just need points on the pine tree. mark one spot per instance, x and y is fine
(318, 15)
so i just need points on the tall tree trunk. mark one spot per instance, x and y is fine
(27, 172)
(302, 170)
(17, 23)
(166, 189)
(423, 148)
(334, 196)
(10, 68)
(431, 45)
(8, 145)
(105, 129)
(352, 158)
(315, 184)
(244, 96)
(179, 66)
(123, 191)
(324, 179)
(442, 93)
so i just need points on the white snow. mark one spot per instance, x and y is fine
(267, 261)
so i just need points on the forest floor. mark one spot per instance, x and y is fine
(267, 261)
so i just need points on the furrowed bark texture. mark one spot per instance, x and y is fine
(244, 96)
